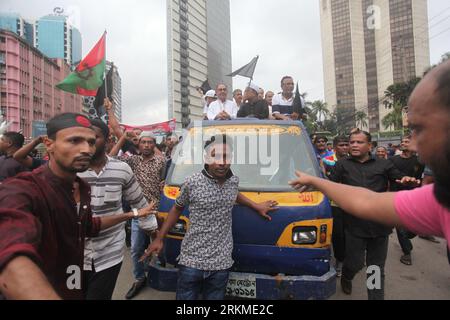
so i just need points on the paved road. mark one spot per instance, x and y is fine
(428, 278)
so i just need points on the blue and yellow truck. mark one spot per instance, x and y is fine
(286, 258)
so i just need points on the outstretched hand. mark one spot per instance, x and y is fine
(144, 212)
(303, 183)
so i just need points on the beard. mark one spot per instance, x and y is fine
(442, 179)
(99, 152)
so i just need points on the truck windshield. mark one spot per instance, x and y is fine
(264, 158)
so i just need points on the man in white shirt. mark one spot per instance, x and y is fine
(282, 103)
(222, 109)
(238, 97)
(209, 98)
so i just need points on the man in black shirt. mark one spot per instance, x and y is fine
(253, 107)
(408, 163)
(364, 238)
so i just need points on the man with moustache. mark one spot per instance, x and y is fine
(425, 210)
(364, 239)
(149, 169)
(45, 216)
(111, 180)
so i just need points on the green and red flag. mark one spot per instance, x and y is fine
(89, 74)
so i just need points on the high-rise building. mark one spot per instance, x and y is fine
(219, 42)
(15, 23)
(27, 82)
(367, 46)
(199, 48)
(116, 95)
(56, 38)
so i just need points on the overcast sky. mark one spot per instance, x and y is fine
(285, 33)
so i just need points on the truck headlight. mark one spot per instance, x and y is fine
(304, 235)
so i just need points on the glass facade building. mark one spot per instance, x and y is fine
(14, 23)
(369, 45)
(58, 39)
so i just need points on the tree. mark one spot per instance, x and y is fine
(320, 111)
(394, 118)
(399, 93)
(361, 119)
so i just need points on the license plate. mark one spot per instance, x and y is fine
(241, 286)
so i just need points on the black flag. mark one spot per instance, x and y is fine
(204, 88)
(102, 94)
(297, 104)
(246, 71)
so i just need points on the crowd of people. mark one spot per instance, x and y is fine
(63, 217)
(254, 103)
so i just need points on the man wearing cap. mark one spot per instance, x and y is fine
(149, 169)
(222, 109)
(45, 216)
(254, 107)
(209, 98)
(111, 180)
(320, 142)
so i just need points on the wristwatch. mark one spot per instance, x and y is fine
(135, 212)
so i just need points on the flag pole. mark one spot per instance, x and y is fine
(104, 72)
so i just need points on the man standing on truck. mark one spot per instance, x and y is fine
(205, 258)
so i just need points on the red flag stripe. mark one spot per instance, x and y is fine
(87, 93)
(95, 56)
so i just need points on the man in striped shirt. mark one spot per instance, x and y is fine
(110, 179)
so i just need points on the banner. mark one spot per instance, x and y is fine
(158, 129)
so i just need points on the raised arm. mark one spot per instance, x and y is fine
(112, 120)
(22, 155)
(119, 145)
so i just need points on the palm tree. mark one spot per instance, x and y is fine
(361, 119)
(320, 110)
(394, 118)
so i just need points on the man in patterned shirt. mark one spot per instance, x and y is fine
(206, 251)
(149, 169)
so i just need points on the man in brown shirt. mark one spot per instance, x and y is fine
(45, 216)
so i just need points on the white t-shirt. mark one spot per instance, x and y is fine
(283, 106)
(218, 106)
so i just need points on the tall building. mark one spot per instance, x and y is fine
(15, 23)
(56, 38)
(367, 46)
(219, 42)
(29, 97)
(199, 48)
(116, 95)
